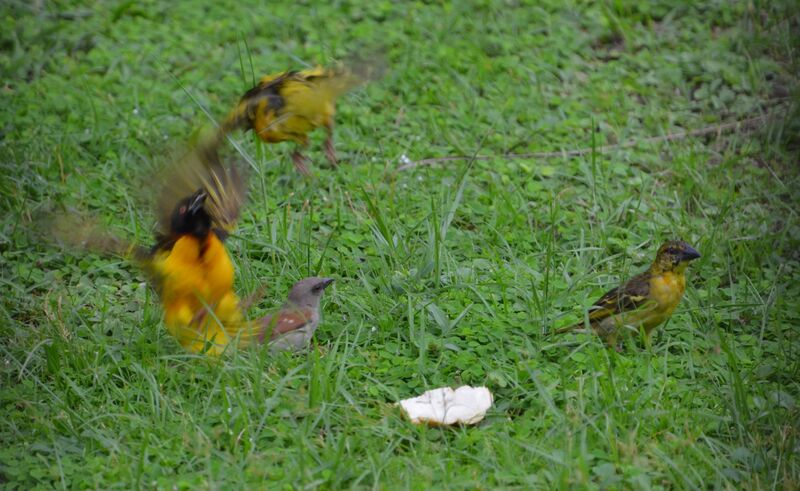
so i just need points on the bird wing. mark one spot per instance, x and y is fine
(284, 321)
(310, 96)
(326, 84)
(83, 232)
(264, 97)
(632, 295)
(200, 167)
(357, 70)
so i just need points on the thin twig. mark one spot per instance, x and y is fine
(719, 128)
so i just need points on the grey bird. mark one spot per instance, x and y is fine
(293, 326)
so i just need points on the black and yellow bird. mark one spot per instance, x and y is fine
(198, 206)
(645, 301)
(189, 264)
(194, 277)
(287, 106)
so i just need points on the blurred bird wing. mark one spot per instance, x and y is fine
(85, 233)
(330, 82)
(357, 69)
(201, 168)
(306, 92)
(314, 91)
(226, 189)
(261, 99)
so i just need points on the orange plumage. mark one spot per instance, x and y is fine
(196, 275)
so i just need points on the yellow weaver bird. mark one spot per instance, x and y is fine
(189, 264)
(193, 269)
(194, 277)
(287, 106)
(647, 300)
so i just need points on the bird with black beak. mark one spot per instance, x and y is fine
(645, 301)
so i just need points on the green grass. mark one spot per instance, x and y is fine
(447, 274)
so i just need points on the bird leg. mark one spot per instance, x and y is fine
(300, 163)
(330, 151)
(199, 317)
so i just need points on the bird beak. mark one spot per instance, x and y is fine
(689, 254)
(326, 282)
(198, 201)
